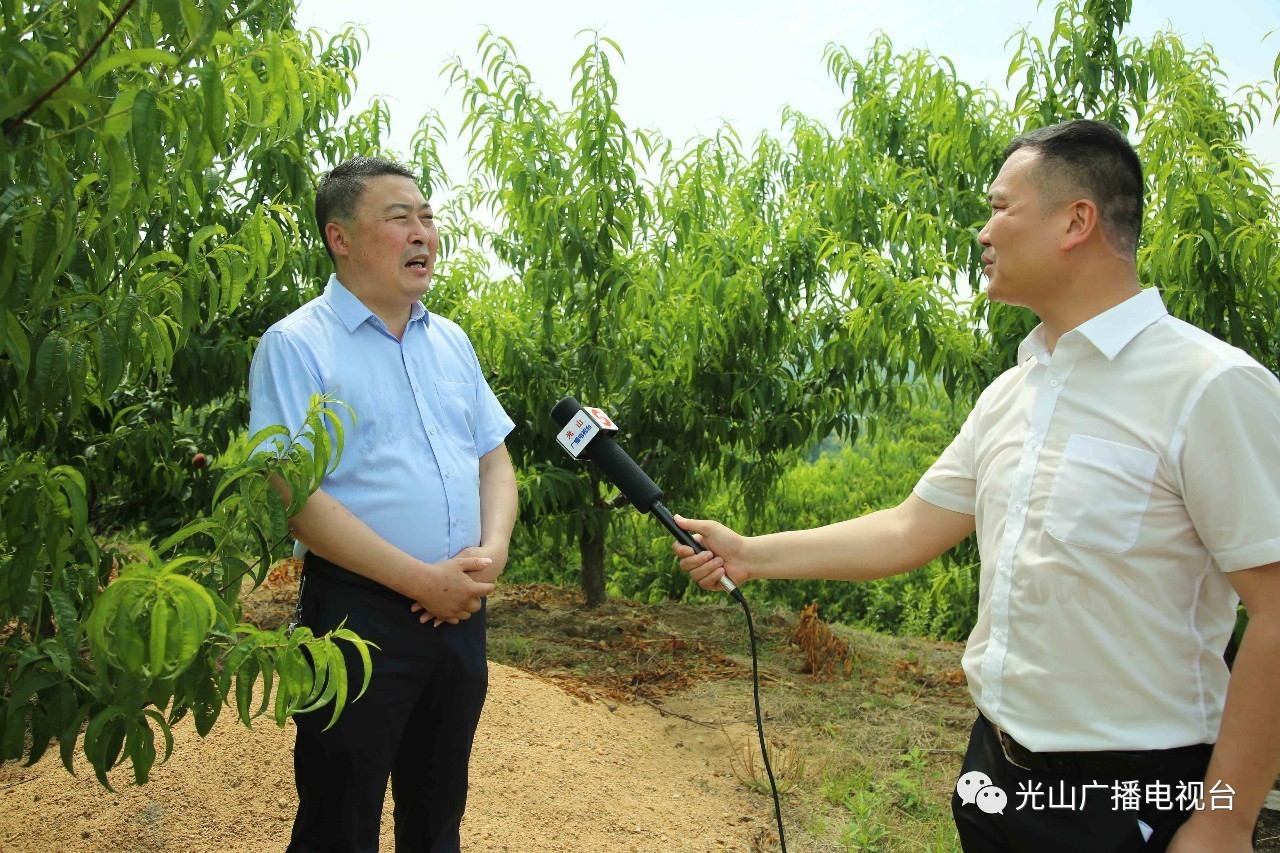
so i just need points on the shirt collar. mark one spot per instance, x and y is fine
(352, 312)
(1109, 332)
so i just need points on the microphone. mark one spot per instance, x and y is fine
(586, 432)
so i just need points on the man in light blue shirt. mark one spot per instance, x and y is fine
(405, 537)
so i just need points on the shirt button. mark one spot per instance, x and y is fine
(1053, 382)
(415, 387)
(447, 475)
(431, 431)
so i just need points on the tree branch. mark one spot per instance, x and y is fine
(14, 123)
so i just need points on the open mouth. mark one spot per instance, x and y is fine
(417, 264)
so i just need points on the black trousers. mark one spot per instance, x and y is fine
(415, 724)
(1101, 825)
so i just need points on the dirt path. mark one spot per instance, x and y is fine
(550, 773)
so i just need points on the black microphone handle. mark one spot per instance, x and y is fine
(668, 520)
(683, 536)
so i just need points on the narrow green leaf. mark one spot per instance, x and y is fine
(103, 740)
(69, 737)
(161, 612)
(194, 528)
(362, 649)
(120, 114)
(66, 619)
(110, 364)
(134, 56)
(245, 678)
(207, 705)
(17, 345)
(164, 730)
(50, 369)
(145, 133)
(122, 175)
(141, 748)
(77, 376)
(86, 10)
(126, 313)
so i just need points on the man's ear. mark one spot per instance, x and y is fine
(1082, 222)
(339, 240)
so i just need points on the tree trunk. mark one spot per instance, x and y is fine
(591, 547)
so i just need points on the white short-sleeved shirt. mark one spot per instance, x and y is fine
(1113, 482)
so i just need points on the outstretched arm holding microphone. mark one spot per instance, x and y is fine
(878, 545)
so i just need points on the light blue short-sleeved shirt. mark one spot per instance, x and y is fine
(424, 415)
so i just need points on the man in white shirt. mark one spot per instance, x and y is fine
(1124, 483)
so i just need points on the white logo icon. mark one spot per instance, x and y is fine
(970, 784)
(975, 788)
(992, 800)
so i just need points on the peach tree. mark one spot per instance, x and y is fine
(155, 159)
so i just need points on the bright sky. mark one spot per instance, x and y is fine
(691, 65)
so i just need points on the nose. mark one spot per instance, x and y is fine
(423, 232)
(984, 238)
(419, 234)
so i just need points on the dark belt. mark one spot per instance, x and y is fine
(1099, 764)
(314, 564)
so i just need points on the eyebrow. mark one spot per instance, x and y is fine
(400, 205)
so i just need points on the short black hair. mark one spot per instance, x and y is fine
(340, 189)
(1095, 158)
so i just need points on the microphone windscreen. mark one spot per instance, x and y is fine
(614, 463)
(564, 411)
(621, 470)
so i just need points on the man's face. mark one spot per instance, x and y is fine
(1019, 240)
(388, 249)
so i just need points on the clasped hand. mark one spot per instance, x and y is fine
(450, 591)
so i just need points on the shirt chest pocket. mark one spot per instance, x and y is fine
(1100, 493)
(458, 410)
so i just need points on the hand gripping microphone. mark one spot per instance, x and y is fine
(586, 432)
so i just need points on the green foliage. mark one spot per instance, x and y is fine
(746, 302)
(156, 165)
(142, 637)
(154, 161)
(939, 600)
(715, 312)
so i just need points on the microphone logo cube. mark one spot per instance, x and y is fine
(582, 428)
(577, 434)
(602, 420)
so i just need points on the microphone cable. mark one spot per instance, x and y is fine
(665, 517)
(586, 432)
(755, 691)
